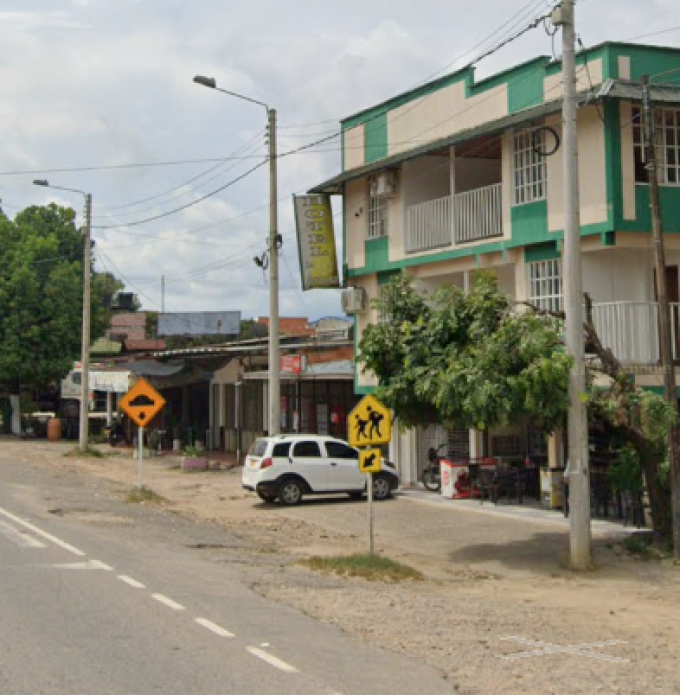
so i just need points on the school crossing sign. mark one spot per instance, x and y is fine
(369, 423)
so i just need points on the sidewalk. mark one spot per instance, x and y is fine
(530, 511)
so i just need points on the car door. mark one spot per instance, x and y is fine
(343, 468)
(309, 462)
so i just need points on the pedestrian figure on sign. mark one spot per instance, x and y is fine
(375, 419)
(361, 427)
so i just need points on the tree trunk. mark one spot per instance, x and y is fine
(659, 494)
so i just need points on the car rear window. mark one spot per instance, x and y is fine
(258, 447)
(281, 449)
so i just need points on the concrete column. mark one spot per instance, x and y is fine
(109, 408)
(555, 450)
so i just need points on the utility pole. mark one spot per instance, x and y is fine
(274, 241)
(162, 294)
(274, 346)
(85, 345)
(577, 425)
(665, 335)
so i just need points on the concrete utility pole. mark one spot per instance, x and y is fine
(84, 435)
(85, 345)
(274, 345)
(665, 334)
(578, 469)
(274, 240)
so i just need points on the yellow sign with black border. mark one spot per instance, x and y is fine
(370, 460)
(370, 423)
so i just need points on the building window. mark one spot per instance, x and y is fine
(667, 136)
(377, 213)
(529, 166)
(545, 284)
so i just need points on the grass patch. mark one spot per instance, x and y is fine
(90, 451)
(144, 494)
(372, 567)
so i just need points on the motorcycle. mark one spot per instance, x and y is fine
(432, 477)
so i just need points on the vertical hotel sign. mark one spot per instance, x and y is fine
(316, 241)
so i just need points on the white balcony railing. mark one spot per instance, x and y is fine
(428, 225)
(477, 214)
(456, 219)
(630, 330)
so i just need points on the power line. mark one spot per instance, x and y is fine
(188, 205)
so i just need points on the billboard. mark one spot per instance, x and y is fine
(195, 323)
(316, 242)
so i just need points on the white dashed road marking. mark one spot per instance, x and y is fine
(42, 534)
(91, 565)
(272, 660)
(131, 582)
(168, 602)
(214, 628)
(19, 537)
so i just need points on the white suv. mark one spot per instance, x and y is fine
(288, 466)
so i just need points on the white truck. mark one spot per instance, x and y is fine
(106, 385)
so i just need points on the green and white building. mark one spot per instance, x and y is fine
(460, 175)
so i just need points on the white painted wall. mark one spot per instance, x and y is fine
(627, 162)
(370, 285)
(356, 222)
(474, 173)
(442, 113)
(552, 86)
(618, 275)
(425, 178)
(354, 147)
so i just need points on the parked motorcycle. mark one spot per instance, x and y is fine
(432, 477)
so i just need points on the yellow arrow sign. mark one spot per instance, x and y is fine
(370, 460)
(369, 423)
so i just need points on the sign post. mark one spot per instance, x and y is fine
(369, 424)
(141, 404)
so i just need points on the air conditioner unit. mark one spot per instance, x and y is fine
(385, 184)
(353, 300)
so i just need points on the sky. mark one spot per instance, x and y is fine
(98, 95)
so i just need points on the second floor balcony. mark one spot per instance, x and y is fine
(454, 219)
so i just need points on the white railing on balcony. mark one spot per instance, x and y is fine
(477, 214)
(630, 330)
(464, 217)
(428, 225)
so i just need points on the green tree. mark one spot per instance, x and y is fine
(478, 361)
(41, 280)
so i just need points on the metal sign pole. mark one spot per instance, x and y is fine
(370, 514)
(141, 457)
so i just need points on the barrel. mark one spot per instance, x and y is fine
(53, 429)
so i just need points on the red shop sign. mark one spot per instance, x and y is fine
(291, 363)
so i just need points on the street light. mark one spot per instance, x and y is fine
(274, 242)
(85, 345)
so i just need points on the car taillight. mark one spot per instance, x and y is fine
(266, 463)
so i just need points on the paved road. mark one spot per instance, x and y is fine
(115, 599)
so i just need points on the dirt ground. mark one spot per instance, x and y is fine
(490, 577)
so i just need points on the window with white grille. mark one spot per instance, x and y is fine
(545, 284)
(667, 142)
(377, 213)
(529, 166)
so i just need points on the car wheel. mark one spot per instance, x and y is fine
(290, 492)
(381, 488)
(268, 497)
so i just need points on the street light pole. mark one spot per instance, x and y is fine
(274, 241)
(84, 434)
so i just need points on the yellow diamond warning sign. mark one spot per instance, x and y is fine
(142, 403)
(369, 423)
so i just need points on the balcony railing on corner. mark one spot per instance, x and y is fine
(457, 219)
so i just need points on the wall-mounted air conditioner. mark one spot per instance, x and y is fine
(384, 185)
(353, 300)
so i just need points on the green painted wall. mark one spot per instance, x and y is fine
(529, 223)
(669, 203)
(525, 89)
(645, 60)
(541, 252)
(375, 138)
(377, 255)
